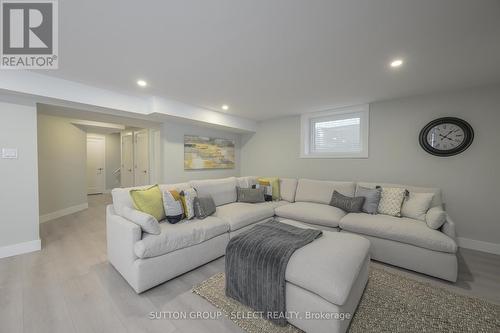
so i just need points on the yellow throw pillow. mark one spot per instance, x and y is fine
(272, 185)
(149, 201)
(187, 199)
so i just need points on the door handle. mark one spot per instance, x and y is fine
(145, 171)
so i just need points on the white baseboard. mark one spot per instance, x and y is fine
(479, 245)
(63, 212)
(20, 248)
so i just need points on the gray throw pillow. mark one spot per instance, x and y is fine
(372, 198)
(348, 204)
(251, 195)
(203, 207)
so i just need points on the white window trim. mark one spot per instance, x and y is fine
(305, 132)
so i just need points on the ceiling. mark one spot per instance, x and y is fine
(267, 59)
(90, 120)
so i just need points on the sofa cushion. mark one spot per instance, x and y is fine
(347, 204)
(372, 198)
(122, 198)
(416, 205)
(251, 195)
(320, 191)
(391, 201)
(435, 217)
(436, 200)
(273, 204)
(246, 182)
(306, 225)
(204, 207)
(288, 187)
(240, 214)
(310, 212)
(173, 206)
(149, 201)
(147, 222)
(401, 229)
(223, 191)
(329, 266)
(272, 186)
(178, 236)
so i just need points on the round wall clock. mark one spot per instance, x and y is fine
(446, 136)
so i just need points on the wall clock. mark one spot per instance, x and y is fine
(446, 136)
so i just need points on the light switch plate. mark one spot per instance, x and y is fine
(10, 153)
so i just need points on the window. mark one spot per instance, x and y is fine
(338, 133)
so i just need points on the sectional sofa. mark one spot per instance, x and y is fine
(146, 260)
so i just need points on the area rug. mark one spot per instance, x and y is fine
(390, 303)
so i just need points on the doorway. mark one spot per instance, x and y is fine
(96, 164)
(83, 153)
(127, 166)
(136, 168)
(141, 154)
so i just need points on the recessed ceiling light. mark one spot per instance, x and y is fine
(396, 63)
(142, 83)
(225, 107)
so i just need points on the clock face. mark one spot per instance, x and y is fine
(446, 136)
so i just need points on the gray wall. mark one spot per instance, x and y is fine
(113, 160)
(470, 181)
(19, 185)
(62, 158)
(172, 140)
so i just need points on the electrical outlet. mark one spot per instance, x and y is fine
(9, 153)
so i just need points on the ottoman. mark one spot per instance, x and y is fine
(325, 280)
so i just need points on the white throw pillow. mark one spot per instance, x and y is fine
(147, 222)
(416, 205)
(172, 204)
(435, 217)
(391, 200)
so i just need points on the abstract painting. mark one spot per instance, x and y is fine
(208, 153)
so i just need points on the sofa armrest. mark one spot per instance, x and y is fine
(121, 236)
(448, 227)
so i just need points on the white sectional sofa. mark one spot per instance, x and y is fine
(146, 260)
(399, 241)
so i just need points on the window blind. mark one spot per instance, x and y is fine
(336, 134)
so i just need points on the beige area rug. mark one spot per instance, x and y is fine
(390, 303)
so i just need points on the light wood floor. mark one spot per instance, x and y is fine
(70, 287)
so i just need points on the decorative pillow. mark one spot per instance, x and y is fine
(416, 205)
(348, 204)
(173, 206)
(251, 195)
(147, 222)
(187, 198)
(435, 217)
(204, 206)
(149, 201)
(391, 200)
(272, 186)
(372, 198)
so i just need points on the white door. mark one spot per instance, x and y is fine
(141, 153)
(127, 170)
(96, 177)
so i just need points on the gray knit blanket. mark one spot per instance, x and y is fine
(256, 263)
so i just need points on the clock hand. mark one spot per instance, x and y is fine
(446, 136)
